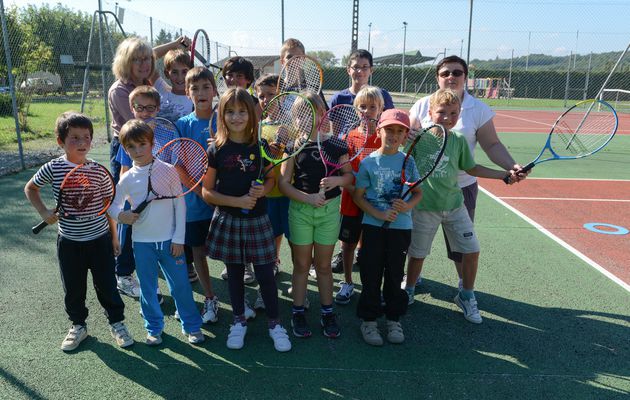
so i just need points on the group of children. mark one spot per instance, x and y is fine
(291, 202)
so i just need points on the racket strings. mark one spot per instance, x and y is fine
(87, 190)
(163, 132)
(291, 119)
(301, 74)
(581, 133)
(428, 150)
(190, 163)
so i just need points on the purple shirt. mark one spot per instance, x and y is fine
(118, 98)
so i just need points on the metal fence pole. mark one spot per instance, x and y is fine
(7, 54)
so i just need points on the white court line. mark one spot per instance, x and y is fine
(525, 119)
(562, 199)
(578, 179)
(559, 241)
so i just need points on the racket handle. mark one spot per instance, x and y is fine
(524, 169)
(386, 225)
(257, 182)
(38, 228)
(141, 207)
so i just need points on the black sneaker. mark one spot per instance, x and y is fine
(300, 326)
(329, 325)
(337, 263)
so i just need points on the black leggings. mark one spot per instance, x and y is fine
(268, 288)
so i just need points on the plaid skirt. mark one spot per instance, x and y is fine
(237, 240)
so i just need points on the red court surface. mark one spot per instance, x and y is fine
(564, 206)
(534, 121)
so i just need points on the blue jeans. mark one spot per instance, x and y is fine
(148, 257)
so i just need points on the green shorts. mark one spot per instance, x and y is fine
(309, 224)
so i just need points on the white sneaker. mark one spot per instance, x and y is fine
(470, 309)
(153, 340)
(75, 336)
(176, 315)
(236, 338)
(210, 312)
(128, 285)
(345, 292)
(312, 272)
(280, 338)
(196, 337)
(224, 274)
(249, 312)
(259, 304)
(403, 283)
(120, 334)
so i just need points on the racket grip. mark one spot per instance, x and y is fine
(386, 225)
(526, 168)
(141, 207)
(38, 228)
(257, 182)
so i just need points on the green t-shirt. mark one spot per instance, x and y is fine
(440, 191)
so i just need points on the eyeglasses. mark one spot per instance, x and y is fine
(140, 108)
(446, 73)
(142, 60)
(359, 69)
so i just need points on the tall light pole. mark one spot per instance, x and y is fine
(369, 35)
(402, 67)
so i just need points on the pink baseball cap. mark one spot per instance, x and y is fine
(394, 116)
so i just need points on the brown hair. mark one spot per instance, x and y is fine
(72, 119)
(135, 130)
(144, 91)
(291, 43)
(236, 96)
(451, 59)
(267, 80)
(197, 74)
(241, 65)
(176, 56)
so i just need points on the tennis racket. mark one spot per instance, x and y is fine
(287, 123)
(301, 73)
(163, 132)
(200, 49)
(85, 193)
(176, 170)
(342, 130)
(426, 150)
(580, 131)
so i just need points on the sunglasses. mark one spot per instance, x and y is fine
(446, 73)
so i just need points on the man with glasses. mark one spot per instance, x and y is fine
(359, 69)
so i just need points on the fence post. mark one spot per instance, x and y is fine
(7, 54)
(566, 87)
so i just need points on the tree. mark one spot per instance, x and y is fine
(324, 57)
(163, 37)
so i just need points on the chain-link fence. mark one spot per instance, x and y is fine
(61, 58)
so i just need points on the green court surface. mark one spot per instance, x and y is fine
(553, 326)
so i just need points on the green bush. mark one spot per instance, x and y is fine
(6, 108)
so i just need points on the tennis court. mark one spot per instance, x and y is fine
(554, 326)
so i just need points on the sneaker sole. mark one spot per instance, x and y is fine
(304, 335)
(127, 294)
(76, 345)
(343, 301)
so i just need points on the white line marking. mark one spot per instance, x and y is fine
(526, 120)
(578, 179)
(560, 199)
(559, 241)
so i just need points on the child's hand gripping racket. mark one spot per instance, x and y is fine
(287, 123)
(177, 169)
(301, 73)
(426, 150)
(85, 193)
(582, 130)
(341, 137)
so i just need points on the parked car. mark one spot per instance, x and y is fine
(40, 86)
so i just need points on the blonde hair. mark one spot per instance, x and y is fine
(127, 50)
(236, 96)
(135, 130)
(443, 97)
(370, 94)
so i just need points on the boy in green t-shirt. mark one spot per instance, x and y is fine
(442, 203)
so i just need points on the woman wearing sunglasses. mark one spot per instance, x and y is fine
(475, 123)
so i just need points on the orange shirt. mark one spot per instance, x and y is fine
(348, 208)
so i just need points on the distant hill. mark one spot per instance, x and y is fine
(540, 62)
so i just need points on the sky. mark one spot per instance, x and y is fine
(499, 27)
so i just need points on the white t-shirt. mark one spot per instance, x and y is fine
(474, 114)
(172, 106)
(162, 220)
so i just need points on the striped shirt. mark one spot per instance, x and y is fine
(53, 173)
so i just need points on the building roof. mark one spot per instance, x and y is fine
(259, 62)
(411, 58)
